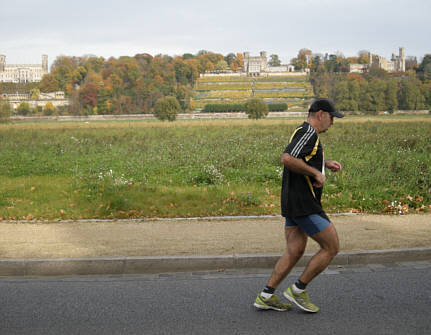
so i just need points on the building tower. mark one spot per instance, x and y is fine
(402, 60)
(264, 64)
(2, 62)
(45, 63)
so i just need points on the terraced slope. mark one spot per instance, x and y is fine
(296, 91)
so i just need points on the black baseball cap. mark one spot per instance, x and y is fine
(325, 105)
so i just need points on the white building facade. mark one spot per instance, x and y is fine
(22, 73)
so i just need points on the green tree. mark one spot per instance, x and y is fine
(426, 92)
(230, 58)
(167, 108)
(376, 91)
(347, 95)
(365, 101)
(256, 108)
(354, 95)
(427, 73)
(23, 108)
(410, 96)
(5, 111)
(274, 61)
(425, 68)
(341, 95)
(391, 100)
(221, 66)
(182, 72)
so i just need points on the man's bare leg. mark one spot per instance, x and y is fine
(296, 241)
(328, 241)
(329, 244)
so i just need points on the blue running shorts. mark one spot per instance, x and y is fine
(311, 224)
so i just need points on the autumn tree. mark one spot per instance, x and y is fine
(49, 108)
(88, 94)
(49, 83)
(363, 57)
(301, 62)
(62, 69)
(35, 93)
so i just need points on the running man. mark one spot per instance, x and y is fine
(301, 191)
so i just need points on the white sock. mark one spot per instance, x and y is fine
(266, 295)
(296, 290)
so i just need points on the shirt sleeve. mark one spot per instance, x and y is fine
(302, 143)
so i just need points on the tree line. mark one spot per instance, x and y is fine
(127, 85)
(373, 91)
(133, 85)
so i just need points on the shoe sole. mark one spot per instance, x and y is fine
(269, 307)
(293, 300)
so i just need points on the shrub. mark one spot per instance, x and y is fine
(277, 107)
(23, 108)
(223, 108)
(49, 108)
(167, 108)
(256, 108)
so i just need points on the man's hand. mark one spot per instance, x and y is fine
(320, 179)
(334, 166)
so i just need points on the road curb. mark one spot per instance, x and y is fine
(148, 265)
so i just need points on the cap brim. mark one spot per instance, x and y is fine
(337, 114)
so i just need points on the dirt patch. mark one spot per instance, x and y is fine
(217, 237)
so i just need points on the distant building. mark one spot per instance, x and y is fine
(56, 98)
(254, 65)
(22, 73)
(396, 64)
(258, 65)
(358, 68)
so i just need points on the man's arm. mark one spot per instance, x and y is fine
(299, 166)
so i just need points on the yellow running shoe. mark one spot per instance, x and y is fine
(301, 300)
(271, 303)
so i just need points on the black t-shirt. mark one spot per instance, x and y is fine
(298, 195)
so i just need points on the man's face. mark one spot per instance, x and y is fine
(327, 120)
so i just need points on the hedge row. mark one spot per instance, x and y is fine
(279, 107)
(230, 108)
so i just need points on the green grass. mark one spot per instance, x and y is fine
(204, 168)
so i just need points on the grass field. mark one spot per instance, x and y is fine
(204, 168)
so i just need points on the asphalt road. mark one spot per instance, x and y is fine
(373, 299)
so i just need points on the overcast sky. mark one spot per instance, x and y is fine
(108, 28)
